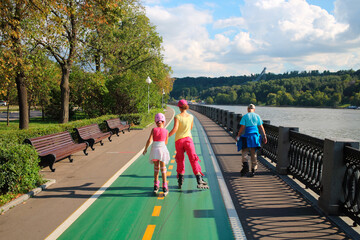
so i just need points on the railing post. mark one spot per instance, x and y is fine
(218, 115)
(283, 148)
(229, 118)
(213, 112)
(224, 119)
(236, 124)
(333, 173)
(221, 112)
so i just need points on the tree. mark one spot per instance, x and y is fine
(63, 32)
(209, 100)
(271, 99)
(43, 77)
(14, 29)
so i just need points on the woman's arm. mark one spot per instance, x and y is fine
(148, 142)
(175, 128)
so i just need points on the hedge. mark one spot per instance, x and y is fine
(19, 169)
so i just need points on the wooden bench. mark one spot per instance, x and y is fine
(115, 125)
(92, 134)
(54, 147)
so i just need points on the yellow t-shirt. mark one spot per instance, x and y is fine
(184, 129)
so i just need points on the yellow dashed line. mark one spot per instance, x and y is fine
(170, 167)
(168, 174)
(172, 161)
(149, 232)
(161, 196)
(174, 156)
(156, 211)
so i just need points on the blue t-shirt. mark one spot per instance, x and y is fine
(251, 119)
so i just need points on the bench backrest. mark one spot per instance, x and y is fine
(89, 130)
(114, 122)
(52, 141)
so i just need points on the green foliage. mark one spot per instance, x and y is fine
(19, 169)
(88, 91)
(312, 89)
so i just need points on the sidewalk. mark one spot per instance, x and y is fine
(75, 183)
(268, 207)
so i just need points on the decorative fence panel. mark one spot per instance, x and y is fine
(306, 159)
(269, 150)
(351, 184)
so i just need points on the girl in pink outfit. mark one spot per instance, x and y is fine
(159, 154)
(183, 124)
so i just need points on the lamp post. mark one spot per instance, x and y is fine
(148, 81)
(162, 98)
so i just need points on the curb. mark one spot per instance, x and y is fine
(26, 196)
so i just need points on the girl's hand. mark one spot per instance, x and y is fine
(144, 152)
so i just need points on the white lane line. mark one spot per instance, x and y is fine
(236, 226)
(75, 215)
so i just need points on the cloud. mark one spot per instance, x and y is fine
(278, 34)
(348, 12)
(230, 22)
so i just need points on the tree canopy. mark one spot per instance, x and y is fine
(288, 89)
(93, 55)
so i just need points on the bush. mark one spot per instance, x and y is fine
(19, 169)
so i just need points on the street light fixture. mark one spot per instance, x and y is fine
(148, 81)
(162, 98)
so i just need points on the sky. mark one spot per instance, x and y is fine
(214, 38)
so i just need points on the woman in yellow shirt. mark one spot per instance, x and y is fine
(183, 123)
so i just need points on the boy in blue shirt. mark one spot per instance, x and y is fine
(251, 139)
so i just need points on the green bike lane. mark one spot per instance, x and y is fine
(128, 209)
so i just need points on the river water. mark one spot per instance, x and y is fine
(317, 122)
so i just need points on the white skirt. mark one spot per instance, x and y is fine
(160, 152)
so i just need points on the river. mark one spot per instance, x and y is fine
(317, 122)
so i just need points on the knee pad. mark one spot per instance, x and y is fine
(163, 170)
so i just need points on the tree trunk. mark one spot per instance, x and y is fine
(8, 108)
(42, 113)
(20, 74)
(65, 93)
(22, 98)
(97, 61)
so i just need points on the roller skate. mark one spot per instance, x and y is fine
(180, 180)
(201, 183)
(165, 189)
(156, 186)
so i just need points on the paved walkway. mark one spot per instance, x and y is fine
(268, 208)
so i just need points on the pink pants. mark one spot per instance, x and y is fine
(186, 145)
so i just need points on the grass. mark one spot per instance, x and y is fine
(34, 123)
(38, 122)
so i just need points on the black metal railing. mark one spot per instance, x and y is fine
(269, 150)
(351, 184)
(306, 159)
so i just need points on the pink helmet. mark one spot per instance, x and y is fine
(182, 102)
(160, 117)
